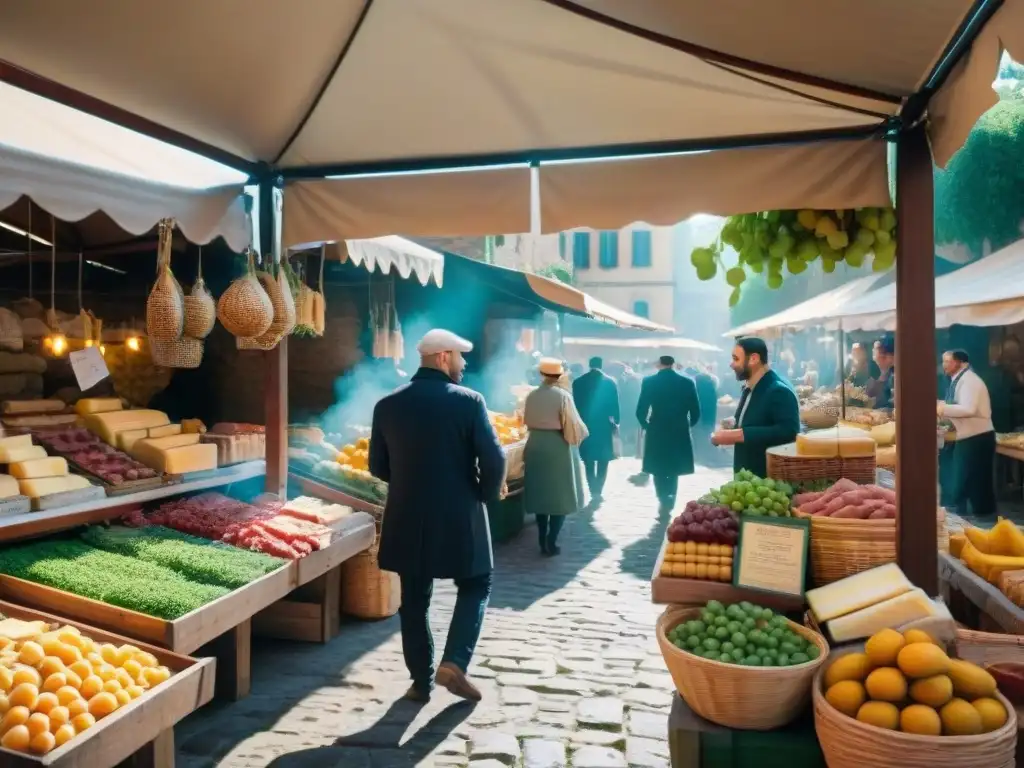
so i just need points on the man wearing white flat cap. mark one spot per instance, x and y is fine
(434, 445)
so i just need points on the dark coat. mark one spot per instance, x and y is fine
(707, 395)
(772, 418)
(432, 442)
(667, 408)
(597, 399)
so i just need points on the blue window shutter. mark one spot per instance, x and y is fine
(609, 250)
(642, 309)
(581, 250)
(641, 248)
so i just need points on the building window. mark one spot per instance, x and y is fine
(561, 245)
(608, 254)
(642, 309)
(581, 250)
(641, 248)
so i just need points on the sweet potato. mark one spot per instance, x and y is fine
(816, 506)
(857, 496)
(807, 498)
(859, 512)
(882, 493)
(834, 506)
(844, 484)
(886, 512)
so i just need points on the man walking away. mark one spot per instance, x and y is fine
(432, 442)
(707, 395)
(597, 400)
(969, 406)
(667, 409)
(768, 413)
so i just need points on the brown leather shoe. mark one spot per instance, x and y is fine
(417, 695)
(455, 680)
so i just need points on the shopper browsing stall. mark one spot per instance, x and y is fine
(882, 387)
(768, 413)
(969, 407)
(597, 400)
(433, 444)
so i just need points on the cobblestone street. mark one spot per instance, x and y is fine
(568, 664)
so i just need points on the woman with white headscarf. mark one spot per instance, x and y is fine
(552, 484)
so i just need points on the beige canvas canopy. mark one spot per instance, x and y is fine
(329, 87)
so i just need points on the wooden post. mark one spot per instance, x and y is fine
(916, 361)
(276, 360)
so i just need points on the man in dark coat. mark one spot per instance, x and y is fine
(707, 395)
(597, 400)
(768, 413)
(667, 408)
(432, 442)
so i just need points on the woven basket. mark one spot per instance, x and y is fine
(784, 464)
(165, 307)
(200, 308)
(841, 547)
(245, 308)
(185, 352)
(984, 648)
(751, 698)
(367, 592)
(820, 417)
(280, 294)
(849, 743)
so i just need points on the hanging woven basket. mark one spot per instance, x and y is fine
(200, 308)
(245, 308)
(185, 352)
(165, 307)
(280, 294)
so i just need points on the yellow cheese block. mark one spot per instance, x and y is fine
(858, 591)
(8, 487)
(178, 460)
(13, 455)
(89, 405)
(834, 442)
(15, 441)
(127, 438)
(165, 431)
(107, 425)
(895, 612)
(46, 486)
(51, 466)
(163, 443)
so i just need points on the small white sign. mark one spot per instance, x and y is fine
(89, 367)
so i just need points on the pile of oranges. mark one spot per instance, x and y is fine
(59, 683)
(510, 429)
(354, 458)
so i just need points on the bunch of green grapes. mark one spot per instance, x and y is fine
(773, 241)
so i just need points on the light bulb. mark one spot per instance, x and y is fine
(48, 342)
(88, 343)
(60, 344)
(133, 344)
(103, 350)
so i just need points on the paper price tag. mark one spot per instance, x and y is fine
(89, 367)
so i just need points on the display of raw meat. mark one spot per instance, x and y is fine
(846, 499)
(95, 456)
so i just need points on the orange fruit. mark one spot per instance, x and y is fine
(42, 743)
(64, 734)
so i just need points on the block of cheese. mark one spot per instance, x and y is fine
(127, 438)
(171, 441)
(165, 431)
(107, 425)
(884, 434)
(51, 466)
(46, 486)
(895, 612)
(8, 487)
(13, 455)
(88, 405)
(33, 406)
(178, 460)
(15, 441)
(834, 442)
(858, 591)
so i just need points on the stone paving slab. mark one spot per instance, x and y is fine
(567, 663)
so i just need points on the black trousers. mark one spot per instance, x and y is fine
(463, 632)
(548, 528)
(596, 472)
(973, 459)
(666, 487)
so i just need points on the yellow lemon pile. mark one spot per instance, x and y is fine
(57, 684)
(354, 459)
(906, 682)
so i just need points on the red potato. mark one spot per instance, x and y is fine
(859, 512)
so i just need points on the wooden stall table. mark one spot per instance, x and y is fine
(694, 742)
(139, 734)
(974, 602)
(1009, 467)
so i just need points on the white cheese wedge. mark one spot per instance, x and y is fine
(8, 487)
(858, 591)
(107, 425)
(834, 442)
(15, 441)
(51, 466)
(47, 486)
(13, 455)
(900, 610)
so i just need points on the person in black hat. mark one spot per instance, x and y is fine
(668, 408)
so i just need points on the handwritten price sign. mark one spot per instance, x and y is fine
(89, 367)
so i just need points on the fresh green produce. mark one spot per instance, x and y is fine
(73, 566)
(814, 486)
(198, 560)
(749, 494)
(743, 633)
(769, 241)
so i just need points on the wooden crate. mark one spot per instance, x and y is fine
(144, 728)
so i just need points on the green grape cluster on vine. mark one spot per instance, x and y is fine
(770, 243)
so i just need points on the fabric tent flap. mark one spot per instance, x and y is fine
(72, 192)
(437, 204)
(580, 303)
(384, 253)
(667, 189)
(650, 342)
